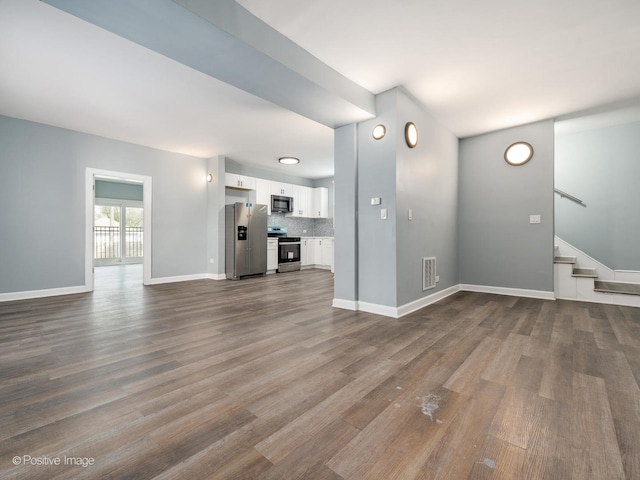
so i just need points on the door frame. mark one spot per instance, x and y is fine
(90, 176)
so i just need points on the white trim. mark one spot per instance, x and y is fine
(378, 309)
(396, 312)
(345, 304)
(179, 278)
(584, 260)
(426, 301)
(631, 276)
(50, 292)
(146, 181)
(513, 292)
(118, 202)
(608, 299)
(218, 276)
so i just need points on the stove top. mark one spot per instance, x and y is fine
(276, 231)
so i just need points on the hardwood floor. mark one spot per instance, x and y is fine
(263, 379)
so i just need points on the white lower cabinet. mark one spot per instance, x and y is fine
(272, 254)
(317, 252)
(307, 245)
(327, 252)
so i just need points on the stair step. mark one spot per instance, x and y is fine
(561, 259)
(585, 272)
(617, 287)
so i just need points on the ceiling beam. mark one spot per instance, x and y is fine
(225, 41)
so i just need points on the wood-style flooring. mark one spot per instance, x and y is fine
(262, 379)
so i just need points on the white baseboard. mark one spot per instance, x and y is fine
(608, 299)
(179, 278)
(378, 309)
(395, 312)
(345, 304)
(50, 292)
(217, 276)
(513, 292)
(426, 301)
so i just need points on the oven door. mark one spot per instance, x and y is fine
(288, 252)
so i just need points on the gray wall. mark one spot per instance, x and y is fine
(602, 168)
(42, 179)
(426, 183)
(215, 216)
(423, 179)
(377, 178)
(345, 249)
(118, 190)
(497, 244)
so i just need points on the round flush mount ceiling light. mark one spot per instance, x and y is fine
(411, 134)
(379, 131)
(289, 160)
(518, 153)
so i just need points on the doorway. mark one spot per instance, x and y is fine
(118, 230)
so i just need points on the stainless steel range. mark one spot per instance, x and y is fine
(288, 249)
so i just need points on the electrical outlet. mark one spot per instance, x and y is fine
(534, 218)
(376, 201)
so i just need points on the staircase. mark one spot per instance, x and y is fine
(580, 277)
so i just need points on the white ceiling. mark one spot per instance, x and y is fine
(476, 66)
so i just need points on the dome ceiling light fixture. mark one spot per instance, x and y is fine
(289, 160)
(518, 153)
(411, 134)
(379, 131)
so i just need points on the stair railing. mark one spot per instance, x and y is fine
(570, 197)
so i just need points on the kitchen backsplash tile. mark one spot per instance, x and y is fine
(302, 227)
(322, 227)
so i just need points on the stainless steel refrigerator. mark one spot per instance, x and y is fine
(245, 240)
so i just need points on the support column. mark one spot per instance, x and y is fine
(346, 218)
(215, 217)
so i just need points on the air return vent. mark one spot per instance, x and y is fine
(428, 273)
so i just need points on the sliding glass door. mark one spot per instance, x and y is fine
(118, 233)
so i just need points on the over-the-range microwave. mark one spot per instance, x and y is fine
(281, 204)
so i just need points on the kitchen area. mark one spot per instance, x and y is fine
(276, 227)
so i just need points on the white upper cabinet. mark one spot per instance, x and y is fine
(307, 202)
(285, 189)
(320, 202)
(263, 193)
(302, 202)
(239, 181)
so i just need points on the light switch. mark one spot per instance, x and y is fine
(534, 218)
(383, 214)
(410, 215)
